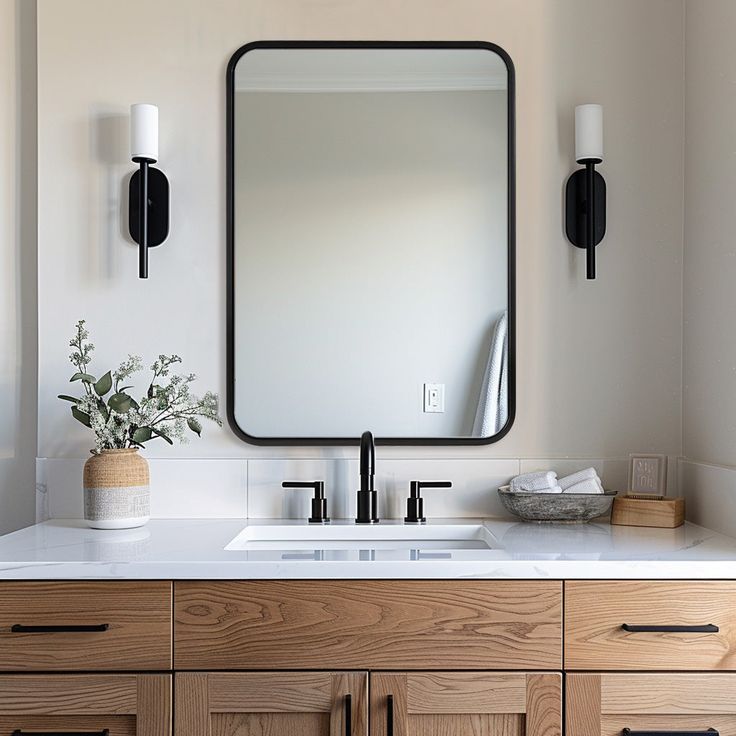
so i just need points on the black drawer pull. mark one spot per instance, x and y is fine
(19, 732)
(348, 715)
(704, 629)
(707, 732)
(70, 628)
(390, 715)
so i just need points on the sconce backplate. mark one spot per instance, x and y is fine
(576, 208)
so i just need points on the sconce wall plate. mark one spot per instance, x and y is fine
(576, 209)
(158, 207)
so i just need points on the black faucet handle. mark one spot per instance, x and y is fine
(319, 502)
(415, 502)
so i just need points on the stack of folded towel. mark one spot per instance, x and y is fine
(584, 481)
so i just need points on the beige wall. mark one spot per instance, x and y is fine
(17, 264)
(708, 470)
(710, 235)
(599, 362)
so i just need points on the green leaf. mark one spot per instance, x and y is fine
(65, 397)
(80, 416)
(103, 409)
(102, 386)
(195, 426)
(120, 402)
(86, 377)
(162, 435)
(142, 434)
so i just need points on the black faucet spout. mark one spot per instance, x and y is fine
(367, 461)
(367, 496)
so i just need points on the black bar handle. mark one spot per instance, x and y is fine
(19, 732)
(703, 629)
(707, 732)
(389, 715)
(348, 715)
(64, 628)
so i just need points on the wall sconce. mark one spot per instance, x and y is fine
(585, 205)
(148, 202)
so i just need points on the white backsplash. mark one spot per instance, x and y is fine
(239, 488)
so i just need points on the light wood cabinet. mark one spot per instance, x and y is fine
(272, 703)
(466, 704)
(401, 704)
(368, 624)
(650, 625)
(80, 625)
(610, 703)
(119, 705)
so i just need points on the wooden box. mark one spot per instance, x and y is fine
(642, 510)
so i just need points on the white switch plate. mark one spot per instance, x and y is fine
(434, 398)
(648, 474)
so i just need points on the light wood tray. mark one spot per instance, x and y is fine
(638, 509)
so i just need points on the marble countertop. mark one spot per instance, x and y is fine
(205, 549)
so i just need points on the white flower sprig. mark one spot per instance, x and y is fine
(167, 410)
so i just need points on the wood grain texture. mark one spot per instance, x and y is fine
(605, 704)
(668, 694)
(369, 624)
(544, 704)
(270, 724)
(466, 692)
(595, 611)
(138, 612)
(472, 703)
(153, 714)
(191, 704)
(583, 711)
(278, 703)
(383, 685)
(117, 725)
(127, 705)
(667, 513)
(265, 692)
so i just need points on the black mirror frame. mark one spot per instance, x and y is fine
(230, 235)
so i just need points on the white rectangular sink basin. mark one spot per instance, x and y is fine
(356, 537)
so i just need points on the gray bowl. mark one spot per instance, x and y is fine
(569, 508)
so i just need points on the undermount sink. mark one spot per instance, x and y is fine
(352, 537)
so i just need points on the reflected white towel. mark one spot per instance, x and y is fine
(493, 410)
(581, 475)
(539, 481)
(589, 485)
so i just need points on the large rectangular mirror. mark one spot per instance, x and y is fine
(370, 242)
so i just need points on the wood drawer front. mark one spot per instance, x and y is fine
(137, 614)
(369, 624)
(126, 705)
(596, 611)
(606, 704)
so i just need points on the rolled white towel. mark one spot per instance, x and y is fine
(589, 485)
(531, 482)
(581, 475)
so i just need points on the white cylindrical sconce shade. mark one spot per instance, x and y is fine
(588, 133)
(144, 132)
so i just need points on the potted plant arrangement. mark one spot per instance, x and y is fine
(116, 478)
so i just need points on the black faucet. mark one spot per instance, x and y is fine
(367, 495)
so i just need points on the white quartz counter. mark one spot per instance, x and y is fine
(197, 549)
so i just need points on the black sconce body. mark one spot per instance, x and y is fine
(585, 212)
(151, 186)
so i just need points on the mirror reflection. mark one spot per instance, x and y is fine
(370, 251)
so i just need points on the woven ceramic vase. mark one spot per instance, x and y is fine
(116, 494)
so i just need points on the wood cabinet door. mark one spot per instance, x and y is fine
(618, 704)
(271, 704)
(85, 705)
(466, 704)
